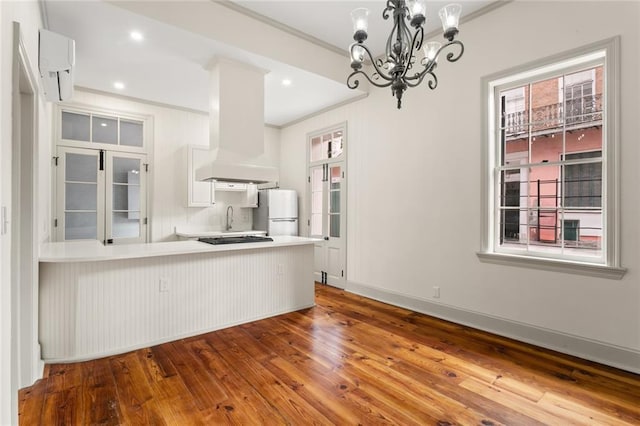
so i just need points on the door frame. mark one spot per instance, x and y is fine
(343, 160)
(27, 363)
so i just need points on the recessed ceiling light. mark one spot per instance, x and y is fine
(103, 124)
(286, 82)
(118, 85)
(136, 36)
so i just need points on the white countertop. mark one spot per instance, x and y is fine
(195, 233)
(90, 251)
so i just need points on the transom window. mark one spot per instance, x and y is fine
(550, 140)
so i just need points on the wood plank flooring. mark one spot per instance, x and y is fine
(349, 360)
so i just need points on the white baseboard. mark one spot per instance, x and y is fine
(604, 353)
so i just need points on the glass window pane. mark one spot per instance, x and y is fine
(126, 170)
(81, 168)
(334, 203)
(75, 126)
(81, 196)
(546, 148)
(126, 197)
(105, 130)
(516, 147)
(546, 106)
(334, 225)
(584, 140)
(513, 228)
(583, 98)
(582, 232)
(80, 226)
(335, 177)
(336, 145)
(543, 189)
(316, 179)
(125, 225)
(316, 224)
(583, 182)
(316, 202)
(131, 133)
(318, 149)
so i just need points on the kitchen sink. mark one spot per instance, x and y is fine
(235, 240)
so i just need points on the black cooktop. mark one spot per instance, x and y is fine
(235, 240)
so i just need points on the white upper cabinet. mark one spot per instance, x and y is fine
(200, 194)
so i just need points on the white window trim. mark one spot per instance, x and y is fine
(611, 267)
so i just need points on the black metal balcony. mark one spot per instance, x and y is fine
(580, 112)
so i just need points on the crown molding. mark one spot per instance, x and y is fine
(283, 27)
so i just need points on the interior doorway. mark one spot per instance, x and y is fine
(327, 204)
(23, 218)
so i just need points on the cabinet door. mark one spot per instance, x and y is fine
(199, 194)
(252, 195)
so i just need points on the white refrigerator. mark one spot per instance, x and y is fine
(277, 212)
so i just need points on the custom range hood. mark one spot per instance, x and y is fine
(236, 125)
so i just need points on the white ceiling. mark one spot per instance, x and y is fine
(168, 66)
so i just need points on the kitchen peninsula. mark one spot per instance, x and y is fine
(100, 300)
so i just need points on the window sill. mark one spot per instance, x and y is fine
(591, 270)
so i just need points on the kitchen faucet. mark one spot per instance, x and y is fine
(229, 218)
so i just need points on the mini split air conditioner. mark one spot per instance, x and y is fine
(56, 58)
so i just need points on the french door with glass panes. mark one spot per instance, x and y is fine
(327, 193)
(101, 195)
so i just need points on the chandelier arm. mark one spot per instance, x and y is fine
(416, 43)
(451, 56)
(429, 66)
(379, 69)
(418, 77)
(356, 82)
(390, 7)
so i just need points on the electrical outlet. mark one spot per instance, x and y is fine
(436, 292)
(164, 285)
(280, 269)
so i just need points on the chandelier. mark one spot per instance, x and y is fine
(399, 67)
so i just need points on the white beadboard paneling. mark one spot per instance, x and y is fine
(93, 309)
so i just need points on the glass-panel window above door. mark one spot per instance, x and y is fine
(76, 127)
(80, 128)
(326, 146)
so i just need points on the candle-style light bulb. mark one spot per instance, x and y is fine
(357, 53)
(431, 50)
(417, 12)
(360, 19)
(450, 16)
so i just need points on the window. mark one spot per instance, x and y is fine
(550, 135)
(100, 177)
(96, 128)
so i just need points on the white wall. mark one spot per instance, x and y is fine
(173, 129)
(27, 13)
(413, 185)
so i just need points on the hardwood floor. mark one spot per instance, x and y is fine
(349, 360)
